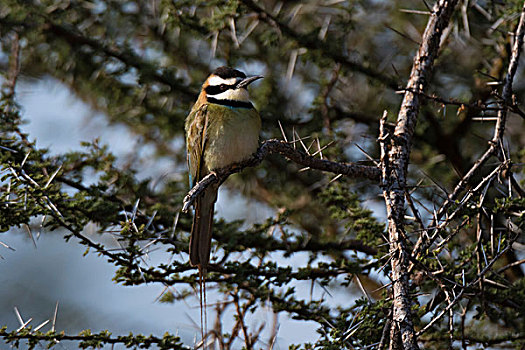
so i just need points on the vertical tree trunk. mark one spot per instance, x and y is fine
(394, 168)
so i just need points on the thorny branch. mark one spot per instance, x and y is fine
(241, 311)
(394, 171)
(76, 38)
(494, 144)
(46, 204)
(457, 298)
(286, 149)
(94, 339)
(315, 44)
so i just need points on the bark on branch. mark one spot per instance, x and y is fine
(395, 159)
(286, 149)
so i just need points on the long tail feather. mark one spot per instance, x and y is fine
(201, 231)
(200, 246)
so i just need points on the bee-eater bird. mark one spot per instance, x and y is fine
(222, 129)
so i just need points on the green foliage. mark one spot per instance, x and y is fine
(346, 207)
(89, 340)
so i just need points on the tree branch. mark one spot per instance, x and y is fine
(286, 149)
(394, 169)
(95, 340)
(313, 43)
(498, 132)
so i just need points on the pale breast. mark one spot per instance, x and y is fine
(233, 136)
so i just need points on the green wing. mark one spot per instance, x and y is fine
(196, 127)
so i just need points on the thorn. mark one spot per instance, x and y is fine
(150, 221)
(234, 32)
(310, 146)
(417, 12)
(30, 235)
(484, 255)
(52, 176)
(37, 328)
(335, 178)
(250, 29)
(24, 325)
(324, 28)
(7, 246)
(282, 131)
(291, 65)
(54, 318)
(24, 161)
(41, 226)
(214, 43)
(323, 148)
(300, 139)
(293, 135)
(366, 154)
(362, 288)
(134, 212)
(427, 6)
(492, 234)
(18, 316)
(175, 222)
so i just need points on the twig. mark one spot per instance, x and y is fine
(498, 132)
(313, 43)
(240, 315)
(103, 337)
(480, 275)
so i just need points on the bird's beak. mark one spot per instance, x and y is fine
(247, 81)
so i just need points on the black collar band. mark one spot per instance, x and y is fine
(230, 103)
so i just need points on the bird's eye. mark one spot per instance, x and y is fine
(223, 87)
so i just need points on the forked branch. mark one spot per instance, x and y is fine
(494, 144)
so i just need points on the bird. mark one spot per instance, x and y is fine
(222, 129)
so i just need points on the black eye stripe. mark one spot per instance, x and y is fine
(217, 89)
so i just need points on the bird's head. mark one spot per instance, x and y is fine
(228, 84)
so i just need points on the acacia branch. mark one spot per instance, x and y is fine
(74, 37)
(87, 338)
(313, 43)
(496, 139)
(394, 171)
(479, 277)
(286, 149)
